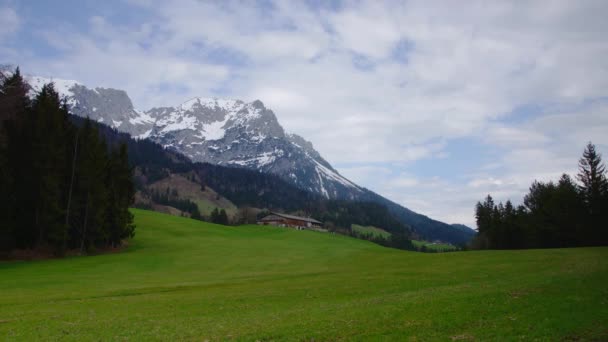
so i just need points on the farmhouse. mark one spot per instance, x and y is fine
(284, 220)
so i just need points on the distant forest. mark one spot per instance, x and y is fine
(64, 187)
(553, 214)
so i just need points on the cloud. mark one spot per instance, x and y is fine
(386, 86)
(10, 22)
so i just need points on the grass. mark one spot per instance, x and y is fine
(443, 247)
(370, 230)
(182, 279)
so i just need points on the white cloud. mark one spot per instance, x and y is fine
(466, 69)
(10, 22)
(368, 29)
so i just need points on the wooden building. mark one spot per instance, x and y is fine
(284, 220)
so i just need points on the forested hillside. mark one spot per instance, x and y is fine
(247, 188)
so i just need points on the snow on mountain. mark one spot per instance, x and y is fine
(110, 106)
(63, 87)
(218, 131)
(232, 133)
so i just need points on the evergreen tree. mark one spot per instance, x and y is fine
(48, 122)
(121, 194)
(560, 214)
(60, 188)
(91, 190)
(594, 190)
(214, 217)
(14, 104)
(484, 213)
(569, 213)
(196, 214)
(222, 217)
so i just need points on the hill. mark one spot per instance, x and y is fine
(182, 279)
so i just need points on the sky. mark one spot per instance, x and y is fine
(432, 104)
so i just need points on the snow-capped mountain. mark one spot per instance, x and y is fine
(225, 132)
(109, 106)
(235, 133)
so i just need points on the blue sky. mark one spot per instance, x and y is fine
(433, 104)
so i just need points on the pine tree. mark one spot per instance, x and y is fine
(60, 189)
(121, 192)
(91, 192)
(214, 218)
(14, 105)
(223, 217)
(484, 213)
(594, 190)
(48, 123)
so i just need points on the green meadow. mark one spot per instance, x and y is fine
(370, 230)
(373, 231)
(182, 279)
(442, 247)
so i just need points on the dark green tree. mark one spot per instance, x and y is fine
(222, 217)
(121, 194)
(92, 193)
(214, 217)
(47, 124)
(14, 105)
(594, 190)
(484, 217)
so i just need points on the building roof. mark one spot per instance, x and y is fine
(292, 217)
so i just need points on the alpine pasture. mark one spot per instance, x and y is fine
(182, 279)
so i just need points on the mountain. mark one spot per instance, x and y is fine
(235, 133)
(169, 182)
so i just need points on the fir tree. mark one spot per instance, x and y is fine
(594, 190)
(48, 121)
(121, 193)
(14, 104)
(222, 217)
(60, 187)
(91, 190)
(214, 217)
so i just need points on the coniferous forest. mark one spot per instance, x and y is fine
(63, 187)
(553, 214)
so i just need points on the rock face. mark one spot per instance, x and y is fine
(217, 131)
(109, 106)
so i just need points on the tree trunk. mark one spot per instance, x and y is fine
(84, 229)
(67, 210)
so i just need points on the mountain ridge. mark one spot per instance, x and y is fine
(233, 133)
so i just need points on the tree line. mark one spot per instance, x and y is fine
(553, 214)
(63, 187)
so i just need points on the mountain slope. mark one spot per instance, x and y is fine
(239, 134)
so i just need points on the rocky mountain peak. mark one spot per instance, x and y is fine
(219, 131)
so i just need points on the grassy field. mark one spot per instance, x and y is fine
(443, 247)
(370, 230)
(186, 280)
